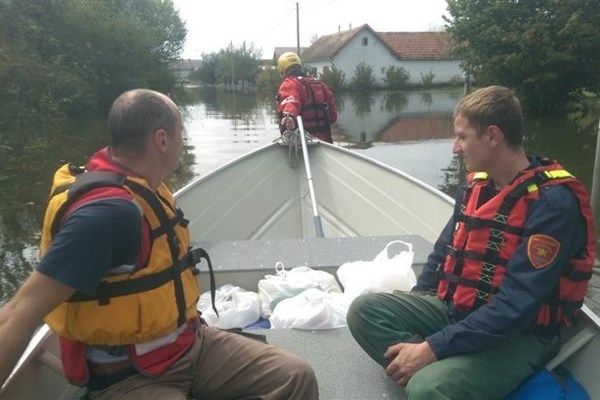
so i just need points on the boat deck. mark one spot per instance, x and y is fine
(344, 371)
(243, 263)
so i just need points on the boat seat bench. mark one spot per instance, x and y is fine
(231, 259)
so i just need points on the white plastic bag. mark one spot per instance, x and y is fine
(384, 274)
(289, 283)
(311, 309)
(237, 307)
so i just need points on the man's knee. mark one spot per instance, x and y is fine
(302, 378)
(359, 309)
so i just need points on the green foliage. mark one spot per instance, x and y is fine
(362, 102)
(334, 77)
(363, 79)
(396, 77)
(230, 65)
(545, 49)
(427, 79)
(456, 80)
(207, 73)
(268, 80)
(65, 57)
(395, 101)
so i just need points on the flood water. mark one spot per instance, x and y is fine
(409, 131)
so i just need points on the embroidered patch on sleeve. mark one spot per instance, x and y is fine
(542, 250)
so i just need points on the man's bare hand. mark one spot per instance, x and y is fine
(289, 122)
(407, 360)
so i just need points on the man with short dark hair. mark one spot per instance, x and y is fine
(116, 280)
(508, 270)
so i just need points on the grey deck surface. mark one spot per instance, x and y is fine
(344, 371)
(244, 262)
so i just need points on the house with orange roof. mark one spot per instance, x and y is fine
(419, 53)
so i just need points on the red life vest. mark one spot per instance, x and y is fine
(315, 110)
(311, 99)
(486, 237)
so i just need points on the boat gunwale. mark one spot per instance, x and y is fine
(332, 147)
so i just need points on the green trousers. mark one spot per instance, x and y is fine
(379, 320)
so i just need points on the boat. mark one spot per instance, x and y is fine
(268, 207)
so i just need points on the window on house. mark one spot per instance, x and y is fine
(365, 41)
(326, 68)
(383, 70)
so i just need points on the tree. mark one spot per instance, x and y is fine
(396, 77)
(63, 57)
(334, 77)
(230, 65)
(545, 49)
(363, 79)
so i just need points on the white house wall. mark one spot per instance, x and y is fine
(379, 57)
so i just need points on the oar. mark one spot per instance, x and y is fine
(311, 189)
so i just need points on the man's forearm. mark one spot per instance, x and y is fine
(15, 332)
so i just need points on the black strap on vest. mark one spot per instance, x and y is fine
(196, 255)
(83, 184)
(156, 205)
(107, 290)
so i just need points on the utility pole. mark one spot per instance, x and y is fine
(297, 30)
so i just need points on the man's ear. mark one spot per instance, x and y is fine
(495, 135)
(160, 139)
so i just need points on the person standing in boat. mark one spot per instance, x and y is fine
(508, 270)
(305, 96)
(116, 280)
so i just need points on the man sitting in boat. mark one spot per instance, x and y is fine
(304, 96)
(116, 281)
(509, 269)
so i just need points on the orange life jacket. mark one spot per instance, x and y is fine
(154, 303)
(486, 237)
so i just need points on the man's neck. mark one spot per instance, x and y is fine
(137, 167)
(512, 163)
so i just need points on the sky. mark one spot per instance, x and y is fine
(267, 24)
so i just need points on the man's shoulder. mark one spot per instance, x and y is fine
(559, 196)
(108, 209)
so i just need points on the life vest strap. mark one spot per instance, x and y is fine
(84, 183)
(472, 255)
(472, 223)
(574, 275)
(196, 255)
(108, 290)
(488, 287)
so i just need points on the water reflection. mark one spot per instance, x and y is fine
(395, 117)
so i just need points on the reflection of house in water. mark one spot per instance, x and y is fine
(385, 117)
(418, 128)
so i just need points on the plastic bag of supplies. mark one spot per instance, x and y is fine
(390, 270)
(311, 309)
(237, 307)
(288, 283)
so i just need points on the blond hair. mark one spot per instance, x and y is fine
(494, 105)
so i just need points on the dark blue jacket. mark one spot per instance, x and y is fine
(514, 308)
